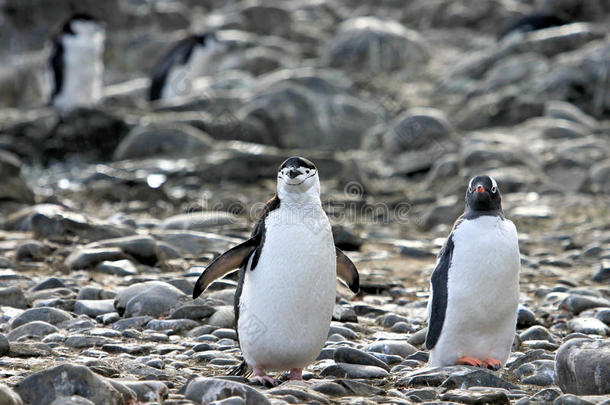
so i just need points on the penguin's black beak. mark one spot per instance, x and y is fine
(293, 173)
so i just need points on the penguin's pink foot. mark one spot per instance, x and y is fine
(296, 374)
(264, 379)
(492, 364)
(470, 361)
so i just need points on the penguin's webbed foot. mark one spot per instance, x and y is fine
(470, 361)
(492, 364)
(296, 374)
(263, 379)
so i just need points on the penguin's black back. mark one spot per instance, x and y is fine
(178, 54)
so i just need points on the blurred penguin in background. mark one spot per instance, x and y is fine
(76, 63)
(175, 72)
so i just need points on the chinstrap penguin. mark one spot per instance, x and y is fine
(76, 63)
(175, 72)
(472, 309)
(288, 269)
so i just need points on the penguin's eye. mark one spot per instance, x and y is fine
(306, 170)
(494, 189)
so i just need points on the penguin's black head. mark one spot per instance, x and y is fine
(297, 175)
(483, 195)
(80, 23)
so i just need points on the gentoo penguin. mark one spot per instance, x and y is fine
(288, 268)
(181, 65)
(475, 286)
(76, 63)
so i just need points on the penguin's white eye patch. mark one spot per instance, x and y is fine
(494, 189)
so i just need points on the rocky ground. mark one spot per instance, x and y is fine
(110, 214)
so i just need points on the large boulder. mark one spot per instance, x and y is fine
(375, 45)
(43, 387)
(307, 108)
(582, 367)
(163, 139)
(154, 298)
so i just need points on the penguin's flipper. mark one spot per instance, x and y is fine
(229, 261)
(346, 271)
(438, 281)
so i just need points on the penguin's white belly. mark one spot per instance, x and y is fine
(83, 71)
(483, 293)
(287, 300)
(181, 78)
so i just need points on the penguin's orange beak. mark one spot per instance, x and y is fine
(480, 189)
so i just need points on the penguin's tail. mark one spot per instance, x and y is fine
(241, 369)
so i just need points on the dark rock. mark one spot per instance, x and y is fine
(538, 372)
(200, 221)
(117, 267)
(140, 247)
(50, 315)
(19, 349)
(525, 317)
(578, 303)
(33, 329)
(355, 356)
(374, 45)
(90, 133)
(43, 387)
(157, 139)
(91, 257)
(148, 391)
(346, 240)
(583, 367)
(95, 293)
(569, 399)
(4, 346)
(32, 251)
(78, 341)
(600, 183)
(301, 393)
(224, 317)
(546, 395)
(203, 390)
(362, 371)
(72, 400)
(194, 312)
(176, 325)
(479, 396)
(49, 283)
(13, 297)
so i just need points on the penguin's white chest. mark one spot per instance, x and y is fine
(180, 80)
(483, 292)
(287, 300)
(82, 72)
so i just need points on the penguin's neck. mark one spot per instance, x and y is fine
(473, 214)
(309, 198)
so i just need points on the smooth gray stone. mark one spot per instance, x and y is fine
(34, 329)
(53, 316)
(203, 390)
(583, 367)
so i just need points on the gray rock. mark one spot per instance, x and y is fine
(163, 139)
(330, 388)
(355, 356)
(577, 303)
(479, 396)
(200, 221)
(13, 187)
(203, 390)
(224, 317)
(375, 45)
(536, 333)
(32, 251)
(33, 329)
(568, 111)
(465, 378)
(307, 108)
(148, 391)
(538, 372)
(117, 267)
(49, 283)
(419, 129)
(600, 173)
(140, 247)
(43, 387)
(50, 315)
(78, 341)
(4, 346)
(153, 298)
(18, 349)
(589, 326)
(8, 396)
(395, 347)
(176, 325)
(583, 367)
(301, 393)
(525, 317)
(546, 395)
(72, 400)
(87, 258)
(95, 293)
(13, 297)
(194, 312)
